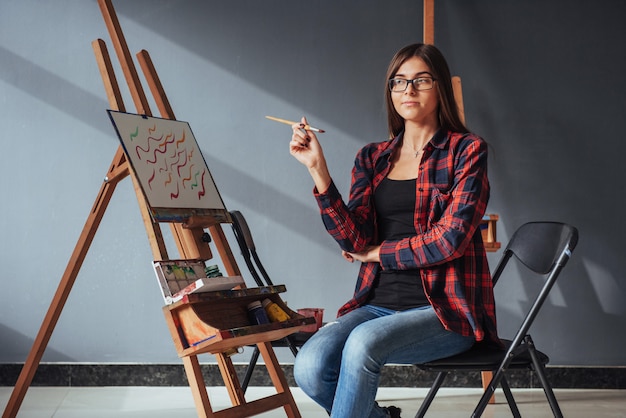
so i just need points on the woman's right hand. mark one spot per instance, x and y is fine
(304, 145)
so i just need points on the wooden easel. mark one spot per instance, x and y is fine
(192, 317)
(491, 243)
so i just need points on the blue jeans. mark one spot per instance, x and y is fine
(339, 367)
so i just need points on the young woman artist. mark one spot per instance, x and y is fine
(424, 289)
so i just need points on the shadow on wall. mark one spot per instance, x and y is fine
(78, 103)
(550, 158)
(563, 319)
(16, 346)
(53, 90)
(246, 183)
(322, 60)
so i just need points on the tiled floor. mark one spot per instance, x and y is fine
(170, 402)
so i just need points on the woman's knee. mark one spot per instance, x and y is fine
(308, 369)
(301, 370)
(364, 349)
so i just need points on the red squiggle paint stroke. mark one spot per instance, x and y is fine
(202, 192)
(162, 149)
(154, 160)
(151, 178)
(184, 163)
(173, 154)
(150, 138)
(164, 164)
(175, 195)
(166, 142)
(176, 162)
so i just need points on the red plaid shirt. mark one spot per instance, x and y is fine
(451, 197)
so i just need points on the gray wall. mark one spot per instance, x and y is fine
(542, 82)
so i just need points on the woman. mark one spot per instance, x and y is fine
(424, 289)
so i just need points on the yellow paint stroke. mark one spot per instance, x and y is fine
(188, 178)
(181, 140)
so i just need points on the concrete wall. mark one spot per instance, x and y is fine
(542, 82)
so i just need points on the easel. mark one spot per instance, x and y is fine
(489, 236)
(191, 317)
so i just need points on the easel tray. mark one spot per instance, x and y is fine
(215, 322)
(224, 340)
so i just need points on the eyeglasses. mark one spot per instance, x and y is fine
(420, 83)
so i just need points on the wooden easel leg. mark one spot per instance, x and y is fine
(229, 375)
(486, 377)
(117, 171)
(278, 379)
(126, 62)
(429, 21)
(111, 87)
(225, 252)
(197, 386)
(458, 96)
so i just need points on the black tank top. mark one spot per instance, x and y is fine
(395, 206)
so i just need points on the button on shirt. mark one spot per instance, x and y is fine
(452, 191)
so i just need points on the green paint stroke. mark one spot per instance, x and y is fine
(196, 179)
(134, 135)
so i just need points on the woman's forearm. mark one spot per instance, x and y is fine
(321, 177)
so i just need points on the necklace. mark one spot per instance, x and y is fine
(416, 153)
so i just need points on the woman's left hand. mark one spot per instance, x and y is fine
(369, 255)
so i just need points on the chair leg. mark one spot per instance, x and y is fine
(540, 371)
(431, 394)
(292, 345)
(509, 398)
(253, 359)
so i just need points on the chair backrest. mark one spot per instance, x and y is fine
(544, 248)
(540, 246)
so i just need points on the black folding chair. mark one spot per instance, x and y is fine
(259, 274)
(543, 248)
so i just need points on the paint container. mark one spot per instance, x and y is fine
(213, 271)
(317, 313)
(257, 314)
(274, 312)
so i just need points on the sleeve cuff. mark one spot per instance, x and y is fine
(325, 200)
(387, 255)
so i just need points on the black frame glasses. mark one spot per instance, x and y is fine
(420, 84)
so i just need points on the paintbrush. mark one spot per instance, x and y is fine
(289, 122)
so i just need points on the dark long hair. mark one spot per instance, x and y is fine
(447, 111)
